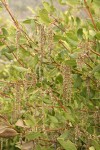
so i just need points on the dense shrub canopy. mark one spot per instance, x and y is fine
(50, 78)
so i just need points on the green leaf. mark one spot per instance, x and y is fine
(5, 32)
(48, 7)
(97, 2)
(19, 69)
(70, 117)
(1, 44)
(59, 79)
(43, 14)
(96, 69)
(92, 33)
(0, 8)
(67, 145)
(73, 2)
(70, 62)
(2, 36)
(98, 25)
(47, 101)
(8, 56)
(80, 33)
(32, 10)
(58, 37)
(97, 75)
(96, 145)
(11, 49)
(35, 61)
(62, 2)
(53, 72)
(27, 21)
(77, 81)
(64, 135)
(78, 21)
(8, 50)
(71, 39)
(98, 36)
(29, 122)
(33, 135)
(53, 119)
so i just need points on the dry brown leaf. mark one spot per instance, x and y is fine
(4, 121)
(6, 132)
(20, 123)
(25, 146)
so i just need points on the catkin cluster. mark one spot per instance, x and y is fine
(81, 60)
(17, 102)
(50, 36)
(88, 86)
(67, 84)
(18, 34)
(30, 79)
(77, 132)
(42, 41)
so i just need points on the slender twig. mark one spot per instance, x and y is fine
(26, 50)
(64, 45)
(95, 52)
(59, 102)
(90, 15)
(27, 36)
(88, 65)
(57, 21)
(4, 2)
(13, 54)
(16, 23)
(59, 27)
(46, 140)
(4, 95)
(18, 60)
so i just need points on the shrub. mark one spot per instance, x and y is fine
(50, 78)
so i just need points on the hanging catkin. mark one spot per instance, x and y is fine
(67, 84)
(50, 35)
(17, 42)
(17, 102)
(31, 79)
(88, 86)
(42, 42)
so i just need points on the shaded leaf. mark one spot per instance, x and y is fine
(70, 62)
(96, 69)
(96, 144)
(33, 135)
(80, 33)
(5, 32)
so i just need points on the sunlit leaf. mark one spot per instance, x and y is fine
(44, 16)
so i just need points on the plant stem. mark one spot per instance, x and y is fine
(90, 15)
(95, 52)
